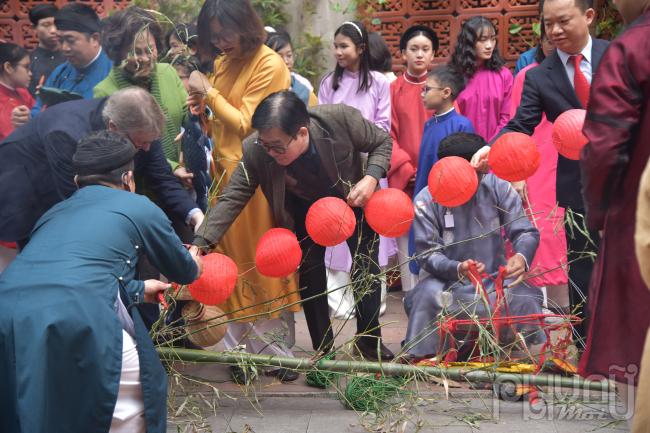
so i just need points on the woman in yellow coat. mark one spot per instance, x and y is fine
(245, 73)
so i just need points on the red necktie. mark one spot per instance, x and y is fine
(580, 83)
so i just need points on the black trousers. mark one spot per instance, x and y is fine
(364, 247)
(581, 251)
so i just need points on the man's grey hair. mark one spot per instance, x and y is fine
(134, 109)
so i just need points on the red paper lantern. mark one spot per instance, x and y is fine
(330, 221)
(278, 253)
(217, 281)
(514, 157)
(567, 133)
(390, 212)
(452, 181)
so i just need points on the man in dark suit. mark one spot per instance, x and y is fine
(36, 159)
(299, 157)
(560, 83)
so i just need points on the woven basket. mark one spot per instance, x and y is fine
(201, 330)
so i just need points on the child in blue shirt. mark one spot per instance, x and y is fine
(442, 87)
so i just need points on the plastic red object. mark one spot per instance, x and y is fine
(452, 181)
(389, 212)
(567, 133)
(514, 157)
(217, 282)
(278, 253)
(330, 221)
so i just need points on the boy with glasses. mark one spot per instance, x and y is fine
(438, 94)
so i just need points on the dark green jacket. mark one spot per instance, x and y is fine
(340, 135)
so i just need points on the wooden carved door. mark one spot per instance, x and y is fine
(392, 17)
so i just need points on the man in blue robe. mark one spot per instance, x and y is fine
(86, 64)
(69, 337)
(448, 240)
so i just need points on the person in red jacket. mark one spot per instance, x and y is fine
(15, 100)
(418, 45)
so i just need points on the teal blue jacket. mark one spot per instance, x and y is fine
(81, 81)
(60, 336)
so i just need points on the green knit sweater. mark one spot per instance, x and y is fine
(168, 90)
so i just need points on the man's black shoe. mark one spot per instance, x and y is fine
(367, 348)
(283, 374)
(240, 376)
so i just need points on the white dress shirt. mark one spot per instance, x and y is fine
(585, 64)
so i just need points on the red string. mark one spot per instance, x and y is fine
(501, 304)
(161, 299)
(199, 111)
(447, 329)
(501, 318)
(475, 278)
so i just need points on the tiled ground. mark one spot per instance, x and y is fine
(269, 406)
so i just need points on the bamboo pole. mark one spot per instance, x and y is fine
(385, 368)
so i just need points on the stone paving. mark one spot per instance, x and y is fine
(434, 414)
(270, 406)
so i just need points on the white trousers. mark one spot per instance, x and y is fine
(128, 416)
(340, 297)
(408, 279)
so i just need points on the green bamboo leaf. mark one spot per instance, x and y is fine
(514, 29)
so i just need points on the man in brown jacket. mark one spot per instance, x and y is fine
(297, 157)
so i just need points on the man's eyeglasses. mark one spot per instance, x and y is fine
(425, 89)
(278, 149)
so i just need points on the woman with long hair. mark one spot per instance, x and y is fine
(417, 45)
(245, 73)
(354, 83)
(487, 95)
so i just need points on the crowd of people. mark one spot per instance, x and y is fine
(222, 140)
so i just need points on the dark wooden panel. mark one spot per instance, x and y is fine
(16, 27)
(446, 17)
